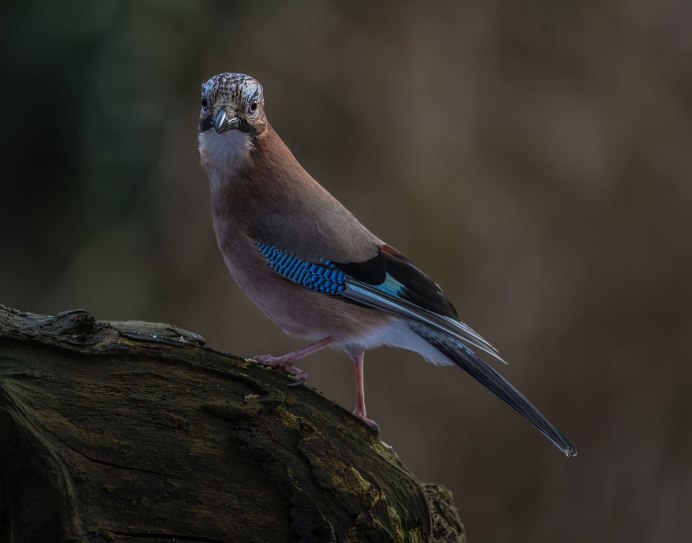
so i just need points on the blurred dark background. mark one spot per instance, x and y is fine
(535, 158)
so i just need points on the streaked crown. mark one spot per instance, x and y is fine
(240, 96)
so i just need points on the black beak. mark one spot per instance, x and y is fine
(222, 122)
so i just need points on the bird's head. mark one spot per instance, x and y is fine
(232, 102)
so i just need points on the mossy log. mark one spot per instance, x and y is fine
(132, 431)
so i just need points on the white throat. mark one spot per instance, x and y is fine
(224, 154)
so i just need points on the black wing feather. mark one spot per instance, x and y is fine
(418, 289)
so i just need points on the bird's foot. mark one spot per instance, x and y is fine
(375, 427)
(283, 363)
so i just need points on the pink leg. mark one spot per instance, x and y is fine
(286, 361)
(359, 411)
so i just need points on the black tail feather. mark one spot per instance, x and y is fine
(467, 360)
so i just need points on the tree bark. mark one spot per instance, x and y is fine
(133, 431)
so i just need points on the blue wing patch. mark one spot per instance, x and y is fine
(324, 277)
(391, 286)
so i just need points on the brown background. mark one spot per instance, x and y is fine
(535, 158)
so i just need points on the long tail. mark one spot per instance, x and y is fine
(467, 360)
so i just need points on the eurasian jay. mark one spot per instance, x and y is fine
(313, 268)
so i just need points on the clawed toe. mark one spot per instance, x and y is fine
(281, 364)
(299, 375)
(373, 425)
(267, 360)
(298, 380)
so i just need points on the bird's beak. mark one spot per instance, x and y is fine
(223, 122)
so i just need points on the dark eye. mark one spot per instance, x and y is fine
(205, 104)
(253, 107)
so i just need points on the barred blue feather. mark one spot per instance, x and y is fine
(324, 278)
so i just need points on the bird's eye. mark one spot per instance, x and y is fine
(252, 109)
(205, 104)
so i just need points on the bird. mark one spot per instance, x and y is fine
(313, 269)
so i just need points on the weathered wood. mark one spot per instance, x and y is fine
(135, 431)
